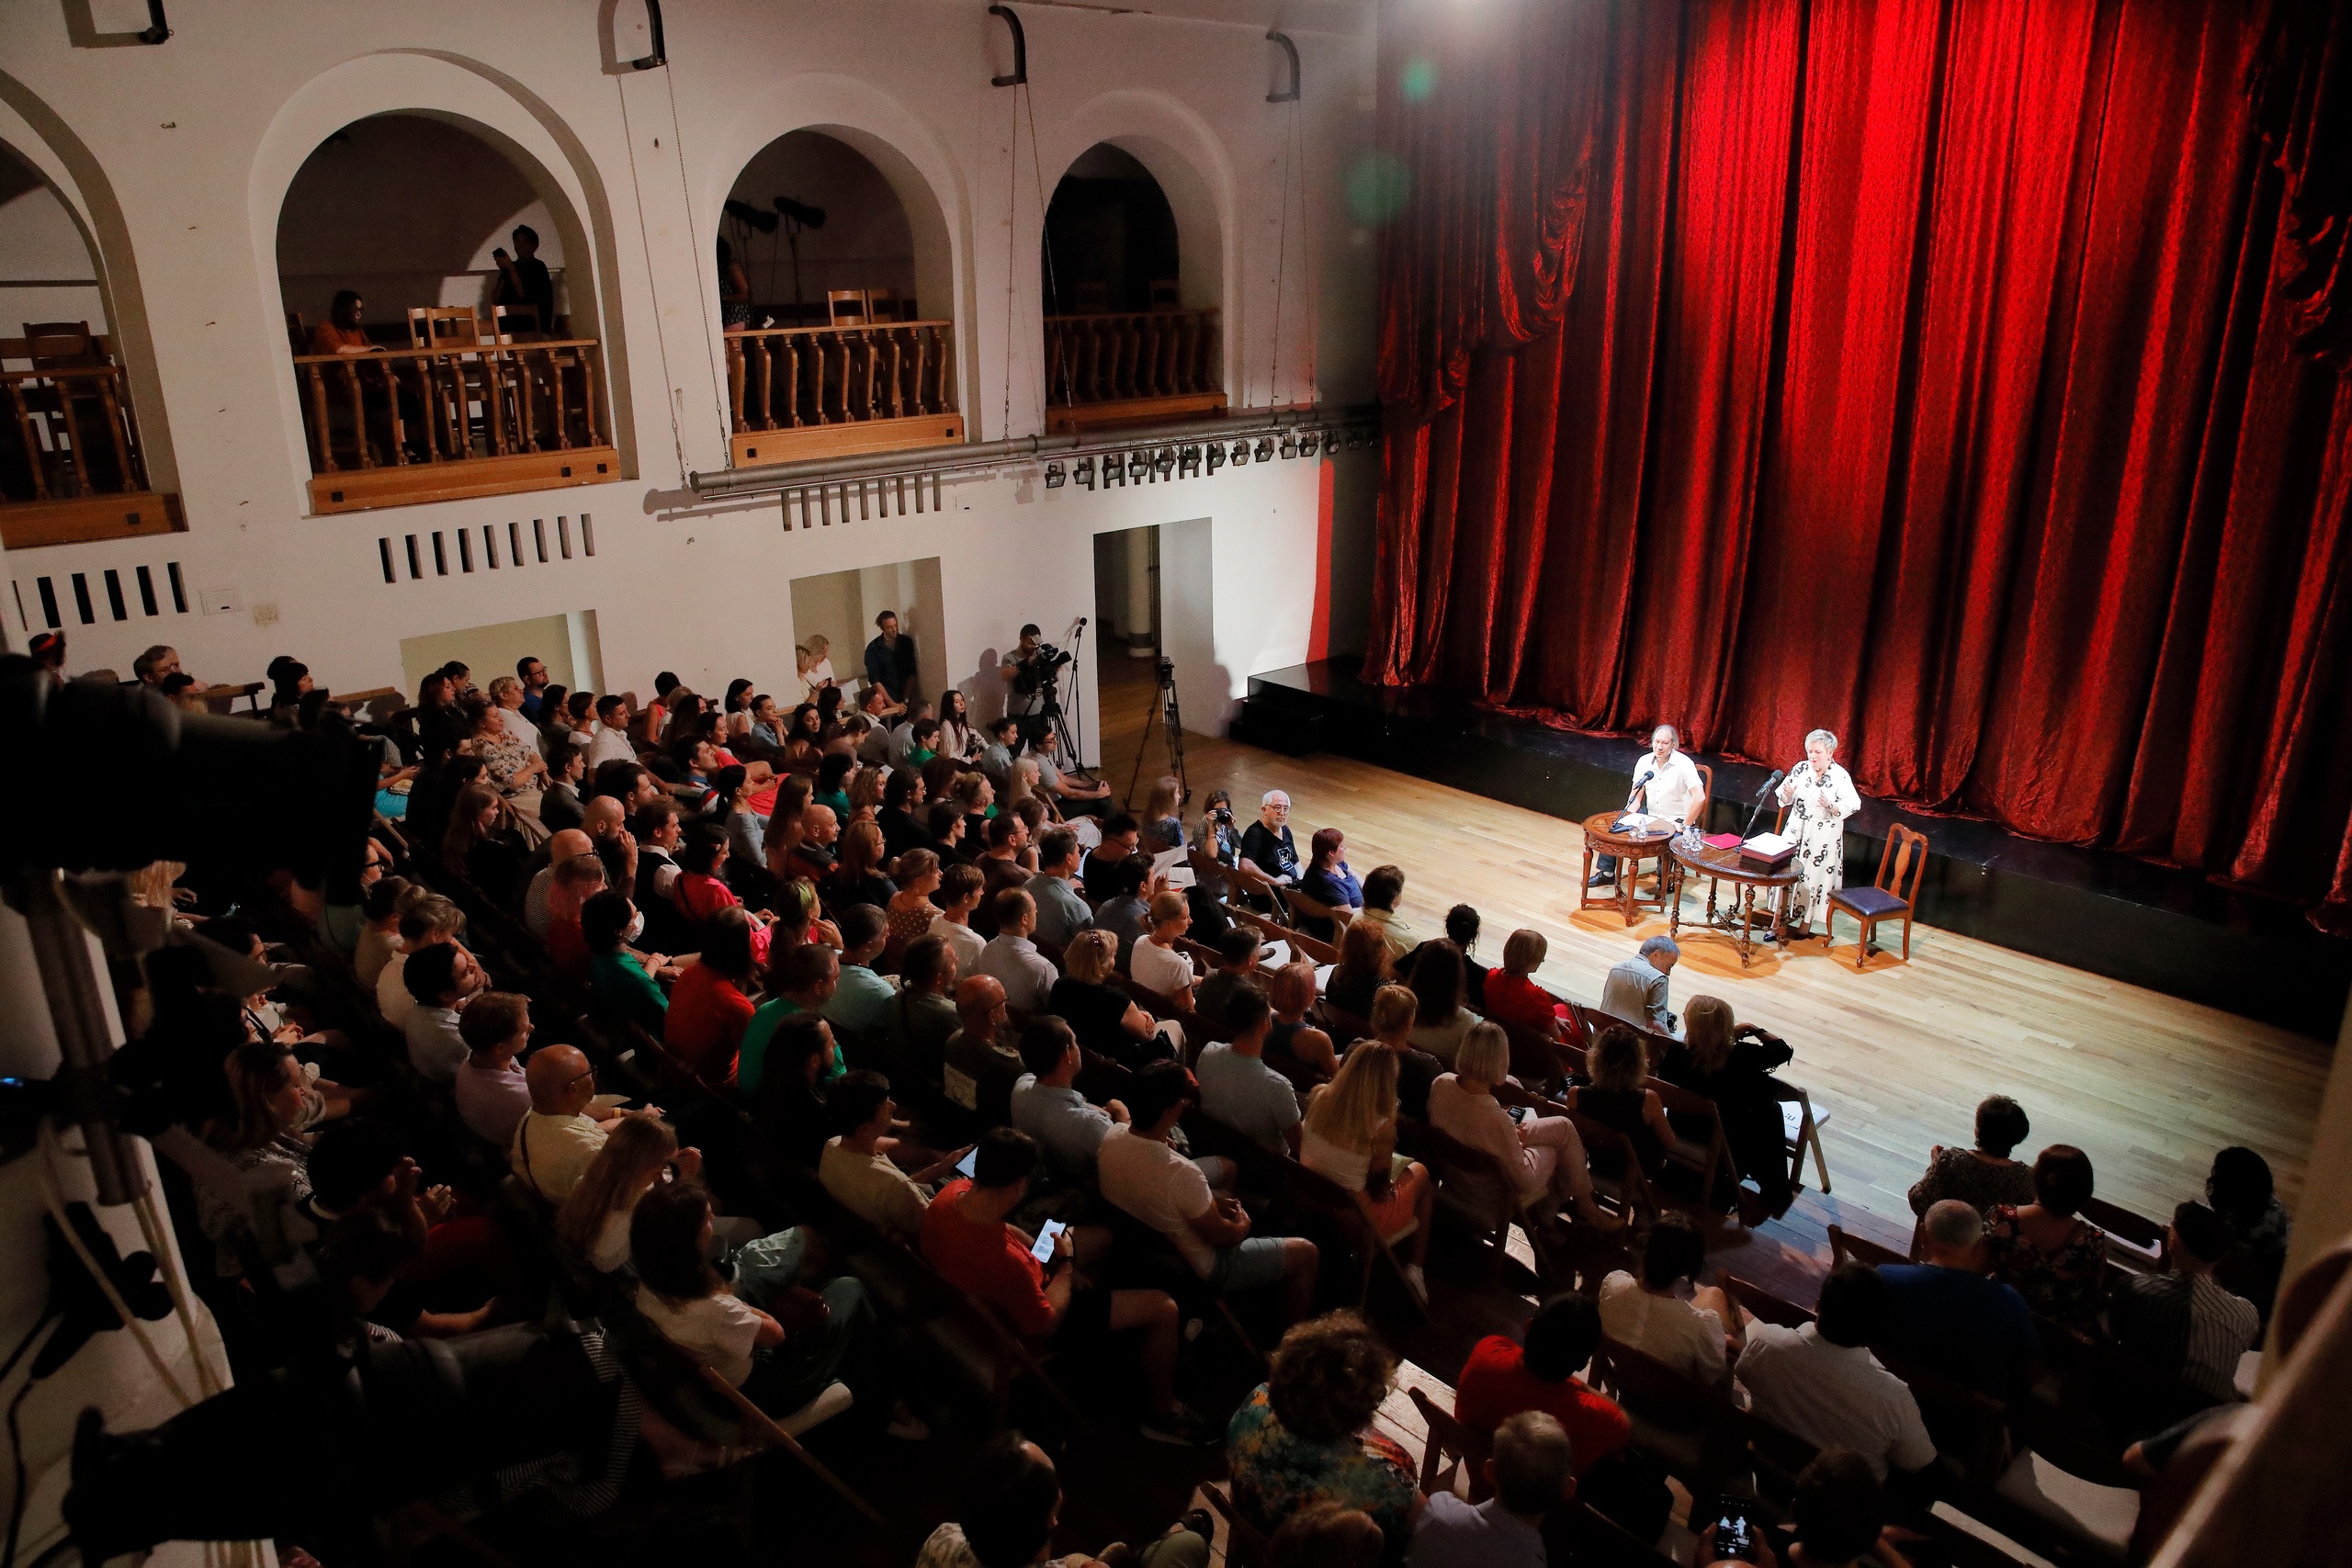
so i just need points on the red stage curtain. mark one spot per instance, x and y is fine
(1962, 376)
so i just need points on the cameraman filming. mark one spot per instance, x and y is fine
(1029, 681)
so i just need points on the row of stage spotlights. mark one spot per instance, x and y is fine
(1144, 466)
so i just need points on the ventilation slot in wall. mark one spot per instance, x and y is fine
(46, 612)
(513, 549)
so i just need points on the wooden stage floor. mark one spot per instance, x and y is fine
(2147, 1085)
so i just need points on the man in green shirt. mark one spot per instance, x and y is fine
(803, 980)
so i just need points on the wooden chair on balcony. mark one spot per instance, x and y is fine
(73, 411)
(1164, 294)
(847, 307)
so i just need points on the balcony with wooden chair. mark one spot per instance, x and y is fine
(72, 466)
(1113, 367)
(472, 407)
(872, 380)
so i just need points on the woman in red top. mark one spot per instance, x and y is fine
(702, 893)
(1514, 997)
(710, 1004)
(1501, 1379)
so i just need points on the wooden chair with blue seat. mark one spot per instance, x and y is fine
(1897, 891)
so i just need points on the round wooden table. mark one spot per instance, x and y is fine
(1724, 865)
(1630, 849)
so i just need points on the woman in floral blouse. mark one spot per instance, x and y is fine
(2056, 1262)
(1303, 1437)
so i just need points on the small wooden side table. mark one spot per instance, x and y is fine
(1630, 849)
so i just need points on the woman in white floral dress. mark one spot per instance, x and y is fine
(1819, 797)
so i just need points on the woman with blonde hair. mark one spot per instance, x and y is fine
(1617, 1098)
(814, 658)
(1103, 1017)
(1542, 1155)
(1350, 1136)
(1731, 1063)
(639, 1152)
(865, 795)
(910, 911)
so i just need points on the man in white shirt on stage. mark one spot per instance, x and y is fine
(1669, 786)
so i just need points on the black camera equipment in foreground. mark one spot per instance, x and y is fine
(1169, 716)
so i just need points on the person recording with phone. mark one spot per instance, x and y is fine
(967, 1236)
(1838, 1520)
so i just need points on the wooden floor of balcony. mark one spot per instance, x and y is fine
(1071, 418)
(801, 443)
(88, 519)
(409, 484)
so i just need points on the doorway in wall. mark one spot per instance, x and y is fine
(1153, 601)
(841, 607)
(566, 643)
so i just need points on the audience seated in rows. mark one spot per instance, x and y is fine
(1542, 1156)
(1821, 1382)
(1348, 1137)
(968, 1236)
(1696, 1331)
(1142, 1176)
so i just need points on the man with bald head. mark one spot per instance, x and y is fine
(983, 1057)
(557, 1138)
(568, 845)
(605, 821)
(812, 854)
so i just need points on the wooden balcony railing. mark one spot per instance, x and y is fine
(71, 466)
(1105, 367)
(399, 426)
(799, 392)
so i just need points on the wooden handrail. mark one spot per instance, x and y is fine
(506, 398)
(446, 349)
(812, 331)
(789, 377)
(50, 413)
(1104, 356)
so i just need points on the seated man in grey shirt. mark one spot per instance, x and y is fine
(1125, 914)
(1049, 1109)
(1635, 990)
(1062, 913)
(1238, 1089)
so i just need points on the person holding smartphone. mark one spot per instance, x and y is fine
(1838, 1518)
(1035, 1283)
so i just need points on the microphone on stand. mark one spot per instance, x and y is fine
(1763, 791)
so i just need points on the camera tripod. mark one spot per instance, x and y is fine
(1169, 718)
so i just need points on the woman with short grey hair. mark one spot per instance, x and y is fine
(1820, 796)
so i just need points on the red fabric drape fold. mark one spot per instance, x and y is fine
(1962, 377)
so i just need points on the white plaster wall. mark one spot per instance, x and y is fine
(178, 159)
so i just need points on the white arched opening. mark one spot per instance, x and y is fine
(1185, 160)
(835, 133)
(520, 163)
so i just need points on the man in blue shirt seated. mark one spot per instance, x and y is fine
(1949, 1318)
(1532, 1469)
